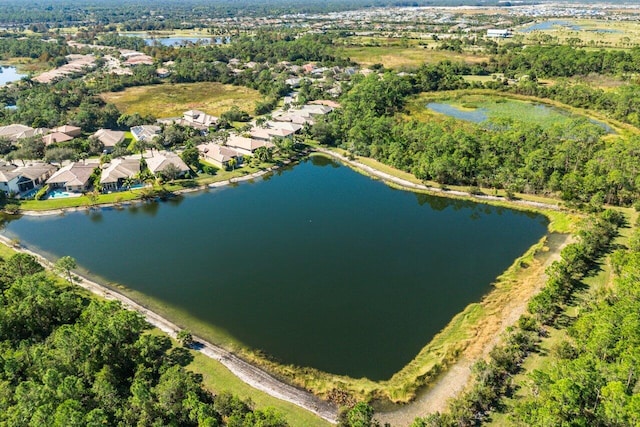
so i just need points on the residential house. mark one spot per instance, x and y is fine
(12, 131)
(245, 145)
(9, 179)
(72, 131)
(160, 160)
(33, 132)
(75, 177)
(115, 173)
(293, 127)
(16, 180)
(219, 155)
(34, 175)
(200, 119)
(145, 132)
(109, 138)
(55, 137)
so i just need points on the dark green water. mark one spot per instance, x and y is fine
(318, 265)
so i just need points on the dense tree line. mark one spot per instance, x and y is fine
(569, 159)
(593, 377)
(12, 46)
(566, 61)
(68, 360)
(493, 377)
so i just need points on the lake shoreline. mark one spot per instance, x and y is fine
(379, 387)
(248, 372)
(372, 172)
(99, 206)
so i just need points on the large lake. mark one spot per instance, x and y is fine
(317, 265)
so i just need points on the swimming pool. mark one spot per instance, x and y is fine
(59, 193)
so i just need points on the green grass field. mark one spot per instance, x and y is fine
(404, 57)
(171, 100)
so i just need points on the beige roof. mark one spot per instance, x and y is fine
(12, 131)
(35, 170)
(68, 129)
(120, 169)
(217, 152)
(8, 172)
(73, 174)
(33, 132)
(260, 133)
(109, 137)
(56, 137)
(161, 160)
(294, 127)
(327, 102)
(249, 144)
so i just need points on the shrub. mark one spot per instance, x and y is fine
(42, 192)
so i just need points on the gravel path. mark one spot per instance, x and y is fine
(247, 372)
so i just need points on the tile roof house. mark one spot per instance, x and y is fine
(33, 132)
(160, 160)
(218, 154)
(15, 180)
(246, 145)
(115, 173)
(74, 177)
(12, 131)
(72, 131)
(55, 137)
(109, 138)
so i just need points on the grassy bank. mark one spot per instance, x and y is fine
(171, 100)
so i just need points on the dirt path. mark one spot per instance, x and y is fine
(247, 372)
(413, 186)
(456, 378)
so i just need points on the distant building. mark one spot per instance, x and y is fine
(496, 33)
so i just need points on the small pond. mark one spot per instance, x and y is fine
(9, 74)
(540, 113)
